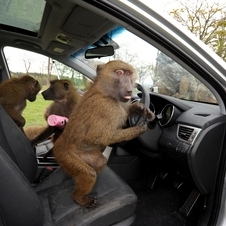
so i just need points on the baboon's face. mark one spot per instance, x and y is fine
(57, 91)
(34, 88)
(122, 76)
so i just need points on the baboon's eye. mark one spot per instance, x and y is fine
(128, 72)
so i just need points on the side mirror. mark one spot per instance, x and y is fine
(98, 52)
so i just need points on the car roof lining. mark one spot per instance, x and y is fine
(60, 29)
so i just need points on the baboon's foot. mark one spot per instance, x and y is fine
(86, 201)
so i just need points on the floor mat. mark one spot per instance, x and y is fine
(158, 206)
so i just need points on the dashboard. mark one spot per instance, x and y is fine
(188, 135)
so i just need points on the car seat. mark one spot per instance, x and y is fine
(49, 202)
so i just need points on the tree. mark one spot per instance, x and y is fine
(27, 63)
(49, 68)
(205, 19)
(144, 69)
(65, 72)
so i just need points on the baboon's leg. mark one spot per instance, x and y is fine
(83, 175)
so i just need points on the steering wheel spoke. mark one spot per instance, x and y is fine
(145, 99)
(149, 139)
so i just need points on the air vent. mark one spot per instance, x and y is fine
(184, 133)
(187, 134)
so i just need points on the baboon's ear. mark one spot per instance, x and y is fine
(66, 86)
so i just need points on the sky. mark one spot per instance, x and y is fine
(15, 61)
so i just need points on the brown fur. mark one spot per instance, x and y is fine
(65, 96)
(33, 131)
(97, 121)
(13, 95)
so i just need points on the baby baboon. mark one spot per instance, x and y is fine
(65, 96)
(97, 121)
(13, 95)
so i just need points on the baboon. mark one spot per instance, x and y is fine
(65, 96)
(97, 121)
(33, 131)
(13, 95)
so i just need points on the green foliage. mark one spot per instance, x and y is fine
(206, 20)
(33, 113)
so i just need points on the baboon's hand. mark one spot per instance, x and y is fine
(142, 127)
(146, 112)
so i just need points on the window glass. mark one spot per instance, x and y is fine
(43, 69)
(158, 72)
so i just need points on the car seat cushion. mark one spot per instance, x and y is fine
(116, 199)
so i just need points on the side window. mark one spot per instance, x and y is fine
(157, 72)
(173, 80)
(43, 69)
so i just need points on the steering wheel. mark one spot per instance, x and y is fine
(145, 99)
(149, 139)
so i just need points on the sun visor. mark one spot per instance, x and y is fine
(84, 23)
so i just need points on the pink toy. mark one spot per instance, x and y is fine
(56, 120)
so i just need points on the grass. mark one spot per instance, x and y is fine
(33, 113)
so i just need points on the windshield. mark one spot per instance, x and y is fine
(157, 72)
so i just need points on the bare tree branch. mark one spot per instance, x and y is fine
(205, 20)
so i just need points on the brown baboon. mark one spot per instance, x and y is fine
(97, 121)
(13, 95)
(65, 96)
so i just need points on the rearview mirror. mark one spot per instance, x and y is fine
(98, 52)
